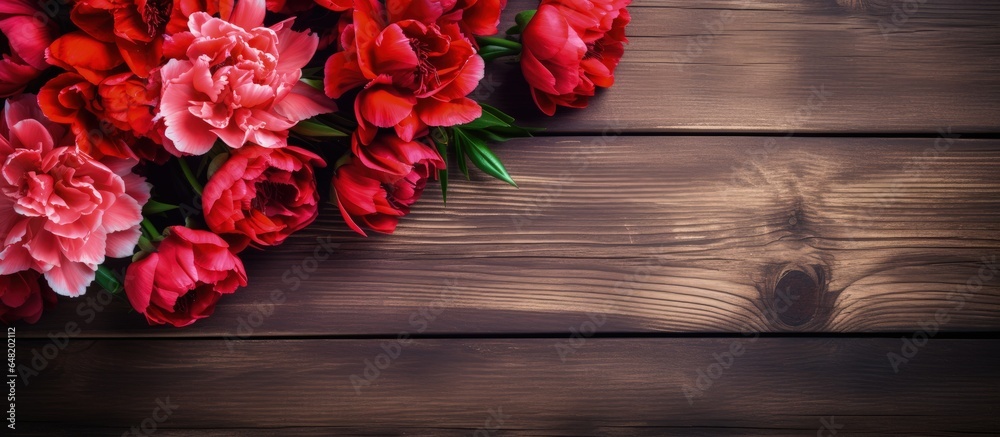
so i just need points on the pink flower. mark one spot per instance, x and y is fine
(23, 298)
(61, 211)
(181, 282)
(236, 81)
(25, 32)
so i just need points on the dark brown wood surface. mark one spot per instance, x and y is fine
(658, 234)
(818, 66)
(778, 386)
(678, 216)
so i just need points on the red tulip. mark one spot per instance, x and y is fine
(182, 281)
(23, 297)
(379, 189)
(262, 195)
(570, 48)
(25, 32)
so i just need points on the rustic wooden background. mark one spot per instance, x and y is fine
(783, 220)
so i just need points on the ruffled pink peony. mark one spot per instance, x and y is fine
(236, 81)
(61, 211)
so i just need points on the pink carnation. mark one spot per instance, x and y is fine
(236, 81)
(61, 211)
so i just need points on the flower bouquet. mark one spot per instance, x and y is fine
(144, 144)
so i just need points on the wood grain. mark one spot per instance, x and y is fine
(646, 234)
(606, 387)
(884, 66)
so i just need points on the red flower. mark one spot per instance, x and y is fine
(480, 17)
(23, 39)
(475, 17)
(133, 28)
(181, 282)
(112, 118)
(183, 9)
(378, 198)
(416, 72)
(592, 19)
(23, 297)
(570, 48)
(262, 195)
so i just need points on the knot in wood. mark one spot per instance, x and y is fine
(796, 295)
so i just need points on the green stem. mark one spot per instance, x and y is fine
(145, 245)
(108, 279)
(487, 57)
(190, 176)
(501, 42)
(153, 233)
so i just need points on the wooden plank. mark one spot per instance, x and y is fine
(646, 234)
(791, 66)
(778, 386)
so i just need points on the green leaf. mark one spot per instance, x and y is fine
(460, 152)
(522, 18)
(483, 157)
(154, 207)
(442, 147)
(501, 42)
(311, 72)
(108, 280)
(313, 128)
(497, 113)
(216, 163)
(486, 136)
(315, 83)
(489, 53)
(487, 120)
